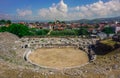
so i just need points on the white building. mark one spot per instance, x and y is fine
(117, 29)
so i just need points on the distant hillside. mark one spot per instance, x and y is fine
(98, 20)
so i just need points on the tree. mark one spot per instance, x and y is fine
(63, 33)
(63, 22)
(8, 22)
(82, 31)
(19, 29)
(2, 21)
(108, 30)
(97, 26)
(3, 29)
(57, 21)
(5, 21)
(50, 22)
(42, 32)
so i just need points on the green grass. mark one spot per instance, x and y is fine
(108, 42)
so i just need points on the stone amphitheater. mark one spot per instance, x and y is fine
(14, 52)
(31, 44)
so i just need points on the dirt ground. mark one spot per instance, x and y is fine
(58, 57)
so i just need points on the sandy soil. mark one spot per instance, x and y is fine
(59, 57)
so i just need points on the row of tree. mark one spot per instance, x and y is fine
(22, 30)
(5, 21)
(63, 33)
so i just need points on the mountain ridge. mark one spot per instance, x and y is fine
(96, 20)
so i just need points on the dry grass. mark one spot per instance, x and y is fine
(109, 42)
(14, 72)
(59, 57)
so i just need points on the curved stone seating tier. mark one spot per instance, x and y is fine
(80, 43)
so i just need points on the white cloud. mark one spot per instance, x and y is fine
(61, 11)
(96, 10)
(23, 13)
(56, 11)
(100, 9)
(62, 7)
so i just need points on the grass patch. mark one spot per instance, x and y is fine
(109, 42)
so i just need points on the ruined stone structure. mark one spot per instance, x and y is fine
(82, 44)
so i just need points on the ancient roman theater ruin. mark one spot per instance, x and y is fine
(58, 53)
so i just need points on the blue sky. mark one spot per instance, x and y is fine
(58, 9)
(10, 6)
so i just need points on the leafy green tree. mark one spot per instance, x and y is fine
(63, 33)
(8, 22)
(50, 22)
(57, 21)
(5, 21)
(63, 22)
(19, 29)
(96, 26)
(76, 31)
(42, 32)
(39, 32)
(2, 21)
(32, 31)
(3, 29)
(108, 30)
(46, 31)
(83, 31)
(86, 26)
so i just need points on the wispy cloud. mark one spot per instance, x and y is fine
(5, 16)
(23, 13)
